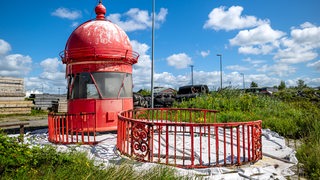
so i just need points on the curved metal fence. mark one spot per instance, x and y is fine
(187, 138)
(66, 128)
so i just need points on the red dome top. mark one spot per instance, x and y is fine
(99, 39)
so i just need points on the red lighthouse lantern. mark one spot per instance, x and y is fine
(99, 58)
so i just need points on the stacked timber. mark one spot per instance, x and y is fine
(12, 96)
(48, 102)
(15, 107)
(11, 87)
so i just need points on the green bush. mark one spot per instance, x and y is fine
(19, 161)
(308, 155)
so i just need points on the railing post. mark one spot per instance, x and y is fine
(238, 146)
(167, 145)
(192, 145)
(224, 145)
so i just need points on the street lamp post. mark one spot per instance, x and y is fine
(220, 70)
(243, 81)
(191, 74)
(152, 60)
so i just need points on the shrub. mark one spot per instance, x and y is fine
(19, 161)
(308, 155)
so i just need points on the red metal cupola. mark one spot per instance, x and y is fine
(99, 58)
(99, 39)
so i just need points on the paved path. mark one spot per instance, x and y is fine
(33, 124)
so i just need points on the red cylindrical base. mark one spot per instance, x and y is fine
(102, 114)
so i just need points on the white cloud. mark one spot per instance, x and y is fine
(308, 35)
(260, 35)
(179, 61)
(18, 65)
(255, 63)
(251, 61)
(15, 65)
(260, 40)
(259, 49)
(66, 13)
(53, 71)
(315, 65)
(262, 80)
(41, 85)
(294, 55)
(75, 24)
(237, 68)
(313, 82)
(166, 79)
(301, 47)
(280, 70)
(136, 19)
(51, 79)
(141, 70)
(4, 47)
(210, 78)
(231, 19)
(161, 16)
(35, 84)
(50, 64)
(205, 53)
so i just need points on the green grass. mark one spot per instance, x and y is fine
(33, 113)
(19, 161)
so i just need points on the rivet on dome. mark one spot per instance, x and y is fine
(100, 11)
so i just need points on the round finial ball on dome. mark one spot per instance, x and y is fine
(100, 11)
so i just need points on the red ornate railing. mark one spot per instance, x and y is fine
(72, 128)
(187, 138)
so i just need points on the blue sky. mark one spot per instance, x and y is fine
(267, 41)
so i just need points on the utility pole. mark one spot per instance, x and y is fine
(220, 55)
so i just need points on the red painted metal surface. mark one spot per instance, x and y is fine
(62, 130)
(99, 58)
(187, 138)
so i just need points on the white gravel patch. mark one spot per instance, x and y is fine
(275, 164)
